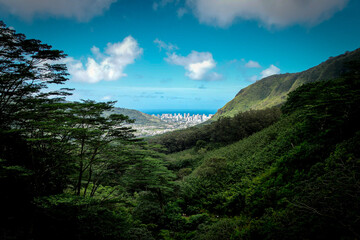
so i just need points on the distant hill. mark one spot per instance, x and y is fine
(139, 117)
(273, 90)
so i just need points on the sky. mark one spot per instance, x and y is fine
(183, 54)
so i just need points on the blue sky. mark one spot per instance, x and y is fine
(184, 54)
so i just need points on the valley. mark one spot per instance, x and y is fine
(279, 159)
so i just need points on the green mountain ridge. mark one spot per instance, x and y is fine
(273, 90)
(139, 117)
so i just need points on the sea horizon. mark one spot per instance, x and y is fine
(181, 111)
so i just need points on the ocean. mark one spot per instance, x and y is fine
(181, 111)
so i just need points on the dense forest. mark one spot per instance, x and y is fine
(69, 171)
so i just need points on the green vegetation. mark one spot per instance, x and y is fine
(296, 179)
(67, 171)
(139, 117)
(224, 131)
(273, 90)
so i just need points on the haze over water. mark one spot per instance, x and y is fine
(181, 111)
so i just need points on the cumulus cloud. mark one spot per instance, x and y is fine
(278, 13)
(166, 46)
(82, 10)
(252, 64)
(270, 71)
(108, 66)
(197, 65)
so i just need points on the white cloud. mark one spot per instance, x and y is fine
(108, 66)
(278, 13)
(270, 71)
(96, 51)
(82, 10)
(196, 64)
(167, 46)
(181, 12)
(252, 64)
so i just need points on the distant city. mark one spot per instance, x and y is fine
(187, 119)
(170, 122)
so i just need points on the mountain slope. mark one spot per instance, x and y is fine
(139, 117)
(273, 90)
(292, 180)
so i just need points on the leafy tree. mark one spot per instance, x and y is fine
(150, 174)
(28, 168)
(95, 137)
(45, 141)
(223, 229)
(26, 67)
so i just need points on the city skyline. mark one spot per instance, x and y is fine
(169, 122)
(186, 117)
